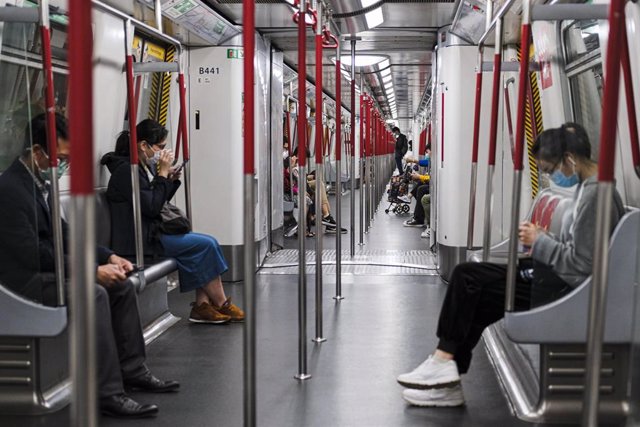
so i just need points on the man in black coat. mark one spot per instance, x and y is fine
(27, 267)
(401, 148)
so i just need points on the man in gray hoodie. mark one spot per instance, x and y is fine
(476, 293)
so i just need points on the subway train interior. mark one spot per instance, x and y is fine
(319, 213)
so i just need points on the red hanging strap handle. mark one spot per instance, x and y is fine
(311, 12)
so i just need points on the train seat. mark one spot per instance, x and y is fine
(152, 291)
(540, 354)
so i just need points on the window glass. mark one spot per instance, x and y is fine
(584, 68)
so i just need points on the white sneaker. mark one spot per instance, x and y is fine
(431, 373)
(426, 233)
(438, 397)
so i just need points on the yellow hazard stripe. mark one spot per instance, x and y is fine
(528, 129)
(163, 109)
(153, 99)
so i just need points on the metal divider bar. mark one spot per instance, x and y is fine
(338, 297)
(156, 67)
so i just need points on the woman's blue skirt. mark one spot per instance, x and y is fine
(199, 256)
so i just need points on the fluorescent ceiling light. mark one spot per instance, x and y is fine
(361, 60)
(388, 86)
(386, 71)
(384, 64)
(374, 18)
(387, 79)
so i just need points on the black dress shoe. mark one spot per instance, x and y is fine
(148, 382)
(122, 406)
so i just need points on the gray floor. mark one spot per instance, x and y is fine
(384, 327)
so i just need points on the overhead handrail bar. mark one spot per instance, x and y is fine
(319, 338)
(82, 323)
(523, 77)
(25, 15)
(572, 11)
(302, 226)
(52, 145)
(498, 16)
(510, 66)
(141, 26)
(133, 152)
(631, 105)
(249, 332)
(156, 67)
(606, 188)
(338, 153)
(493, 141)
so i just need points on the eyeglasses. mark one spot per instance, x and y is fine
(551, 170)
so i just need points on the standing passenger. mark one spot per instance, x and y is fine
(199, 256)
(401, 148)
(475, 296)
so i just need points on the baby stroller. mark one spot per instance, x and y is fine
(399, 187)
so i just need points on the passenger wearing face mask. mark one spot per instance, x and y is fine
(476, 291)
(199, 256)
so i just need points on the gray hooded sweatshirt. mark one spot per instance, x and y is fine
(571, 254)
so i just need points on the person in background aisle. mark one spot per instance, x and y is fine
(421, 217)
(558, 264)
(200, 259)
(401, 148)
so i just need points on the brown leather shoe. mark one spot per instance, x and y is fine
(231, 310)
(205, 313)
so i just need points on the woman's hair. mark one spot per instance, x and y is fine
(150, 131)
(552, 144)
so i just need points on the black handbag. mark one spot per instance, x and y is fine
(174, 221)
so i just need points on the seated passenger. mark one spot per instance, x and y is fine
(476, 293)
(327, 220)
(199, 256)
(27, 251)
(421, 216)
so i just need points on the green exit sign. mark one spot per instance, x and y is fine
(235, 53)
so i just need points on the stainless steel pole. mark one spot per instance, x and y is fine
(361, 162)
(338, 297)
(249, 331)
(82, 322)
(319, 134)
(352, 234)
(302, 176)
(158, 13)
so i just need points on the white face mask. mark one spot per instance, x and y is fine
(152, 161)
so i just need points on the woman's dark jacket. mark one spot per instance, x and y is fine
(153, 195)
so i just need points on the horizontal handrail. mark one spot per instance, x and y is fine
(156, 67)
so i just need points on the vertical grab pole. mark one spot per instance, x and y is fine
(302, 176)
(338, 296)
(631, 106)
(82, 323)
(52, 145)
(361, 163)
(474, 155)
(523, 77)
(249, 330)
(185, 140)
(606, 188)
(158, 13)
(319, 177)
(367, 166)
(133, 152)
(493, 139)
(352, 234)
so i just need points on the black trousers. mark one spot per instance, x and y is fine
(418, 192)
(120, 344)
(475, 299)
(399, 164)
